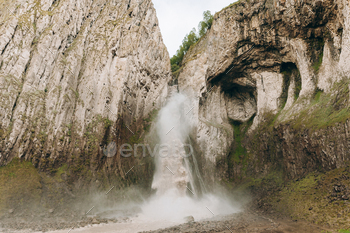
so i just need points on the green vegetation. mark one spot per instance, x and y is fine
(135, 138)
(297, 87)
(239, 151)
(318, 63)
(271, 180)
(19, 182)
(23, 186)
(232, 5)
(148, 121)
(238, 155)
(107, 122)
(317, 95)
(60, 171)
(138, 136)
(187, 42)
(316, 199)
(205, 24)
(316, 52)
(326, 109)
(191, 39)
(286, 83)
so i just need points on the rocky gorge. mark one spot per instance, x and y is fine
(75, 75)
(268, 83)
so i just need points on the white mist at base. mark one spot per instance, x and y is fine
(176, 196)
(173, 208)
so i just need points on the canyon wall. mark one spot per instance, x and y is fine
(75, 76)
(269, 83)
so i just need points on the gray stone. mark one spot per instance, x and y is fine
(74, 75)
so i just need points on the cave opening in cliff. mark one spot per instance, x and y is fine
(291, 75)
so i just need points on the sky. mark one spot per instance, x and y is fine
(178, 17)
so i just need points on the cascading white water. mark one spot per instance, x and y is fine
(171, 173)
(176, 196)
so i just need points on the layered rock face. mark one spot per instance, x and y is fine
(262, 68)
(76, 75)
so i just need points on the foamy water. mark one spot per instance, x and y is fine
(175, 208)
(176, 196)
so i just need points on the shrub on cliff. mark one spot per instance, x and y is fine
(190, 39)
(205, 25)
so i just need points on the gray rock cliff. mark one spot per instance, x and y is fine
(75, 75)
(274, 69)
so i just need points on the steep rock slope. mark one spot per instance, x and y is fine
(270, 87)
(76, 75)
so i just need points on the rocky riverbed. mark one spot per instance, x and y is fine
(248, 221)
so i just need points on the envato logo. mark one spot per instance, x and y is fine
(163, 150)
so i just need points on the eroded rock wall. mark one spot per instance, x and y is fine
(259, 68)
(76, 75)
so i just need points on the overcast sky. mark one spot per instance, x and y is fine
(178, 17)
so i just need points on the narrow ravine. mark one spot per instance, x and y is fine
(244, 129)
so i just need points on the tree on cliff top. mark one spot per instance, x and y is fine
(190, 39)
(206, 23)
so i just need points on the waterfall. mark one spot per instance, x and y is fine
(173, 172)
(180, 189)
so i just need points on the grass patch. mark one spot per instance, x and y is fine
(326, 109)
(60, 171)
(315, 49)
(19, 184)
(317, 95)
(257, 185)
(317, 198)
(238, 153)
